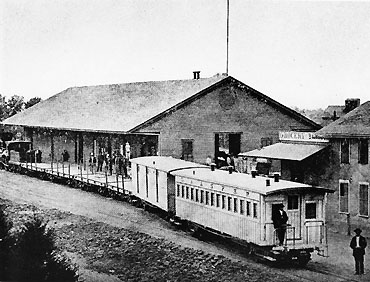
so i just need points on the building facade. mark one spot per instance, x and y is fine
(349, 137)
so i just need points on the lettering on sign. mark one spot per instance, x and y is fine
(300, 136)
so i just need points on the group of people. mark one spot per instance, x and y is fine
(108, 162)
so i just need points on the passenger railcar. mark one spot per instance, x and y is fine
(236, 205)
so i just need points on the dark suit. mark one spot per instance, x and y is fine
(280, 218)
(358, 253)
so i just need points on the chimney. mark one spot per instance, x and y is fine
(276, 177)
(213, 165)
(196, 74)
(267, 182)
(230, 168)
(350, 104)
(254, 173)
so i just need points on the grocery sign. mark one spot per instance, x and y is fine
(300, 136)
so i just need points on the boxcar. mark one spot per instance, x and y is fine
(153, 183)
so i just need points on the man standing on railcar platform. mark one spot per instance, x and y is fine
(358, 244)
(280, 218)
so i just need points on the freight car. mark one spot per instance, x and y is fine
(237, 206)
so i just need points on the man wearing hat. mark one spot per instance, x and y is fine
(358, 244)
(280, 218)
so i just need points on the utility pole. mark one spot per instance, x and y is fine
(227, 38)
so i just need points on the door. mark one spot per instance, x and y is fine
(171, 194)
(293, 211)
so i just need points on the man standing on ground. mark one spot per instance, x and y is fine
(358, 244)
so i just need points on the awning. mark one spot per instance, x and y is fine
(284, 151)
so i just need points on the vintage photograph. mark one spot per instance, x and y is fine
(183, 140)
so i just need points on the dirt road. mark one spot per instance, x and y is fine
(23, 189)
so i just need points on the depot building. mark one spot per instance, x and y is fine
(192, 119)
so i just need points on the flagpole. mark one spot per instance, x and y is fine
(227, 39)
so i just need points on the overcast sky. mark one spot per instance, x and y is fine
(307, 54)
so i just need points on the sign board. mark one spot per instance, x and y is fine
(300, 136)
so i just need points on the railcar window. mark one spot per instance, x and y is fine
(255, 215)
(293, 202)
(183, 191)
(207, 198)
(310, 210)
(229, 203)
(178, 190)
(202, 196)
(223, 201)
(212, 199)
(192, 194)
(248, 208)
(187, 192)
(242, 210)
(196, 195)
(235, 205)
(218, 200)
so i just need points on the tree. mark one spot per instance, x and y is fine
(3, 110)
(31, 102)
(14, 105)
(36, 257)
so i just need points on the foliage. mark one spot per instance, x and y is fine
(33, 256)
(6, 243)
(31, 102)
(14, 105)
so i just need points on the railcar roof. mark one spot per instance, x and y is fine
(166, 164)
(246, 182)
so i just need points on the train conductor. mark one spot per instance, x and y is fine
(358, 244)
(280, 218)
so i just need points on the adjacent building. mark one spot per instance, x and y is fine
(349, 137)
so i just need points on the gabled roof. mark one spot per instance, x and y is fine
(126, 108)
(110, 108)
(354, 124)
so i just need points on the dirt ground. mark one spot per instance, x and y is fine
(113, 241)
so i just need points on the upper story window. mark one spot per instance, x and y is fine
(363, 151)
(344, 151)
(343, 196)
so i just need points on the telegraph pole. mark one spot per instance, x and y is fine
(227, 38)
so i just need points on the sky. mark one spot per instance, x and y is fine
(305, 54)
